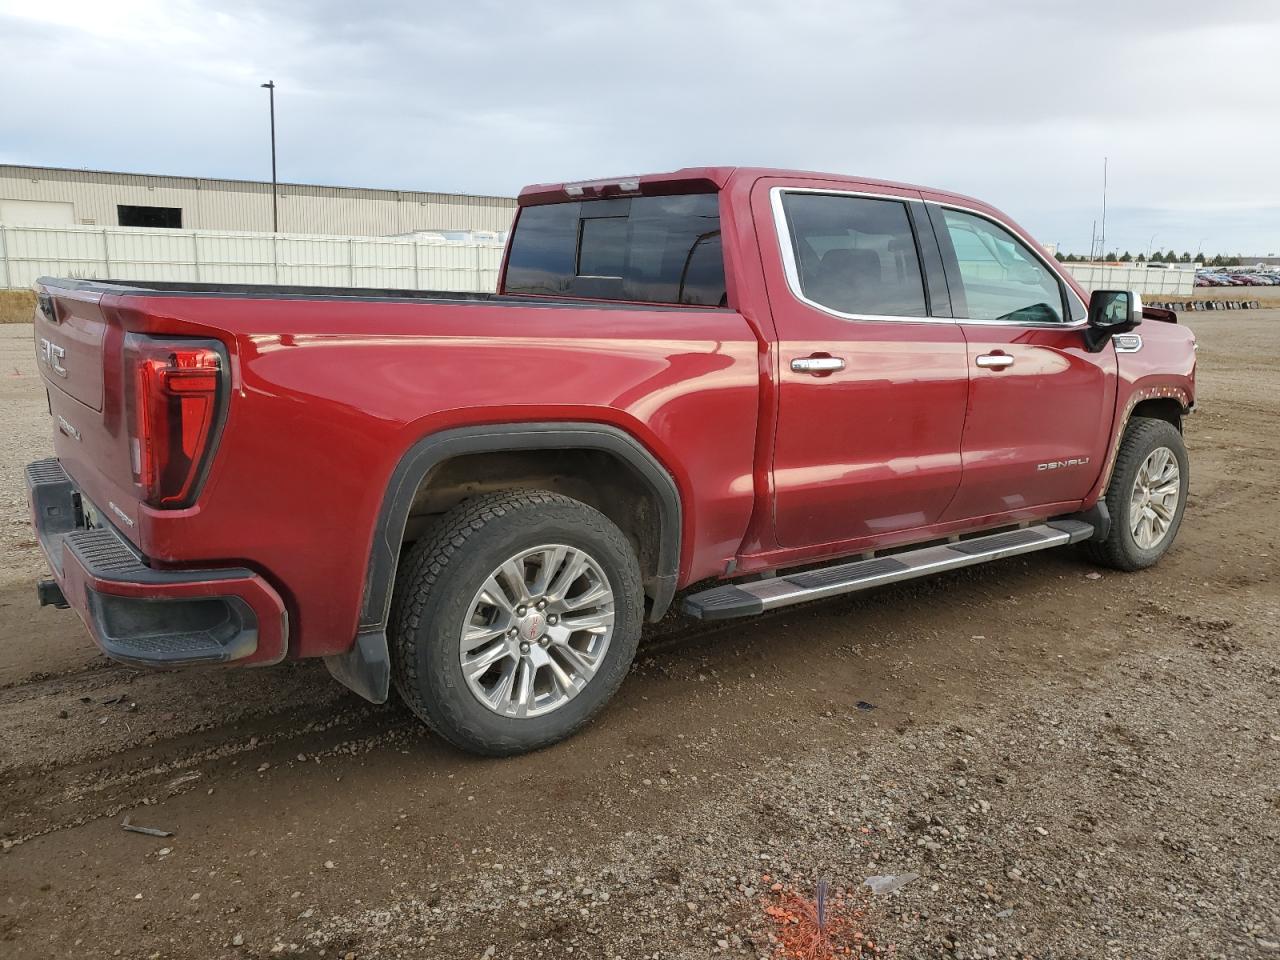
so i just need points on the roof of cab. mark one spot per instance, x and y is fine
(701, 179)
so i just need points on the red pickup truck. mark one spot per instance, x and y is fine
(794, 384)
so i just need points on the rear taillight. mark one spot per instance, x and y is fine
(178, 390)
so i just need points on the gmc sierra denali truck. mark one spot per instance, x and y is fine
(765, 385)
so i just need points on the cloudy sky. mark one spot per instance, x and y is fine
(1015, 101)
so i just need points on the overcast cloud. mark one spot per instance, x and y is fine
(1015, 101)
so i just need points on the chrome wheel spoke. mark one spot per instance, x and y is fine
(476, 636)
(476, 666)
(538, 629)
(574, 566)
(513, 577)
(591, 621)
(590, 598)
(551, 558)
(493, 595)
(497, 698)
(565, 684)
(1153, 504)
(524, 687)
(583, 667)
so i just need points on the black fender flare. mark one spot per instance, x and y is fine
(366, 667)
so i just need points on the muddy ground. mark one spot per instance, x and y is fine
(1076, 765)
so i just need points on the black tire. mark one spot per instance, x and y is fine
(437, 582)
(1141, 437)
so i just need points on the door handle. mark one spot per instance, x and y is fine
(817, 365)
(994, 361)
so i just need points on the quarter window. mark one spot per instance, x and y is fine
(855, 255)
(1002, 279)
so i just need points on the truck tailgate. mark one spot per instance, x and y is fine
(78, 346)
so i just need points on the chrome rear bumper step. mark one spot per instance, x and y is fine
(746, 599)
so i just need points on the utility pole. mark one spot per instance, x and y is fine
(1103, 242)
(270, 87)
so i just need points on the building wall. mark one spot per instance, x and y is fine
(245, 205)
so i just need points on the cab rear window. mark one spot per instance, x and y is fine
(644, 249)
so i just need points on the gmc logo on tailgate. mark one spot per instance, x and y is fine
(53, 355)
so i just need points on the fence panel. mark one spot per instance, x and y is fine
(1097, 276)
(202, 256)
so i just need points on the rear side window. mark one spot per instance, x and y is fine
(647, 249)
(855, 255)
(1002, 279)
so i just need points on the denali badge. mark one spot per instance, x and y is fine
(65, 426)
(53, 355)
(1060, 464)
(124, 517)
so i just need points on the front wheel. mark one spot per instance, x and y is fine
(515, 620)
(1146, 497)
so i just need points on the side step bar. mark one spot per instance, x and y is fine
(746, 599)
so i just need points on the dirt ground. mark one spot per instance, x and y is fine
(1077, 763)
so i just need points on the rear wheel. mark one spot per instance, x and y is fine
(1146, 497)
(515, 621)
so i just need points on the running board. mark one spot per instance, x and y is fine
(746, 599)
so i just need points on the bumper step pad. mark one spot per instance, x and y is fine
(746, 599)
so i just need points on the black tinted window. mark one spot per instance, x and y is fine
(648, 249)
(855, 255)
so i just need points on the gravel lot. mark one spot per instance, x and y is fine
(1075, 764)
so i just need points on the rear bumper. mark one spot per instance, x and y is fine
(144, 616)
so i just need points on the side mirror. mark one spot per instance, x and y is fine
(1111, 312)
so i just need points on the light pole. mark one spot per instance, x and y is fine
(1150, 244)
(270, 87)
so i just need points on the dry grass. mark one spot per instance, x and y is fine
(16, 306)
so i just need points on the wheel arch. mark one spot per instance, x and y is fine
(365, 668)
(1157, 401)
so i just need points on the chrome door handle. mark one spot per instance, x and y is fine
(817, 364)
(994, 361)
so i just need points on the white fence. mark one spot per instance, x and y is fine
(203, 256)
(403, 263)
(1096, 276)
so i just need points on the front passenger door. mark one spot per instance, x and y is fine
(1040, 404)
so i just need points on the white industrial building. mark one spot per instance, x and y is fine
(51, 196)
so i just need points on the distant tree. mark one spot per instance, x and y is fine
(1126, 257)
(1111, 256)
(1059, 257)
(1071, 258)
(1186, 257)
(1142, 257)
(1157, 257)
(1231, 262)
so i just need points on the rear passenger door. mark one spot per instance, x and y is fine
(870, 386)
(1040, 404)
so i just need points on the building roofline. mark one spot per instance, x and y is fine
(31, 168)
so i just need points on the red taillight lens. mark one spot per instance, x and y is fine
(177, 393)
